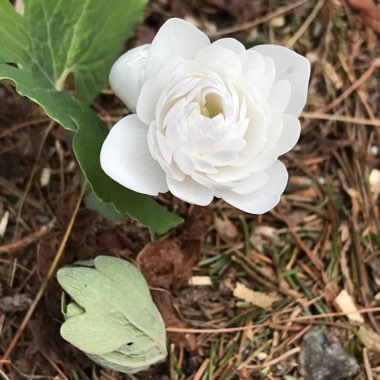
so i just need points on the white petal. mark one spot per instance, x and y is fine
(264, 199)
(221, 158)
(204, 166)
(220, 60)
(171, 170)
(182, 157)
(148, 99)
(278, 178)
(264, 159)
(248, 185)
(290, 133)
(165, 147)
(258, 73)
(175, 38)
(153, 96)
(293, 67)
(202, 180)
(127, 75)
(230, 43)
(279, 97)
(190, 191)
(252, 60)
(126, 158)
(275, 128)
(228, 174)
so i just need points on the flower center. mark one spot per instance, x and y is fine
(213, 105)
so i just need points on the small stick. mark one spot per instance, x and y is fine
(306, 24)
(298, 319)
(201, 370)
(367, 365)
(259, 20)
(24, 242)
(365, 76)
(314, 259)
(342, 118)
(291, 352)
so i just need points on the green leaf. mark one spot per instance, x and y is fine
(59, 105)
(88, 140)
(108, 210)
(139, 206)
(13, 38)
(81, 38)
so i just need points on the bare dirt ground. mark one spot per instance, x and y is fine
(288, 295)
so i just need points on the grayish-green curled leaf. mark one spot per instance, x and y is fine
(120, 326)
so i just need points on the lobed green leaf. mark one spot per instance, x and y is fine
(55, 39)
(82, 38)
(13, 37)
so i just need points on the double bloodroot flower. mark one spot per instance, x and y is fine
(211, 119)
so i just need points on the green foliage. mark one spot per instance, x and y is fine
(55, 39)
(137, 206)
(79, 37)
(13, 38)
(112, 317)
(103, 208)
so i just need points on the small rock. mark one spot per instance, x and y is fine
(262, 356)
(15, 304)
(278, 370)
(320, 360)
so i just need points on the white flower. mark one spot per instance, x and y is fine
(211, 118)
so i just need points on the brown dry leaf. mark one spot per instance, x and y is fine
(355, 201)
(240, 9)
(226, 229)
(266, 231)
(369, 338)
(222, 10)
(374, 264)
(368, 11)
(243, 374)
(309, 193)
(45, 338)
(169, 262)
(332, 75)
(172, 318)
(4, 223)
(374, 182)
(347, 305)
(344, 232)
(262, 300)
(200, 281)
(162, 264)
